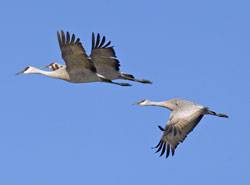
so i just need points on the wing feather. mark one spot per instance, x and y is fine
(63, 37)
(68, 38)
(160, 146)
(74, 54)
(103, 41)
(72, 39)
(163, 149)
(104, 57)
(106, 45)
(59, 39)
(97, 40)
(93, 41)
(176, 133)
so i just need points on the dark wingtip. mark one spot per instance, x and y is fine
(160, 146)
(63, 37)
(103, 41)
(107, 44)
(93, 40)
(59, 39)
(168, 151)
(97, 40)
(67, 37)
(172, 149)
(162, 129)
(72, 39)
(163, 149)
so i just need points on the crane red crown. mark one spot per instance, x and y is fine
(142, 101)
(26, 68)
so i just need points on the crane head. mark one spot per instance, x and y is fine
(54, 66)
(49, 66)
(143, 102)
(26, 70)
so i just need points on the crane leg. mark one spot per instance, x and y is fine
(116, 83)
(215, 114)
(132, 78)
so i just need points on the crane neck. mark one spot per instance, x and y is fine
(164, 104)
(54, 74)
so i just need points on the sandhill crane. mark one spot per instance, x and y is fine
(104, 59)
(79, 68)
(185, 115)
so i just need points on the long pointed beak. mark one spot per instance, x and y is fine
(21, 72)
(136, 103)
(46, 66)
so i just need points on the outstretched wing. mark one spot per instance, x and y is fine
(176, 132)
(74, 54)
(103, 55)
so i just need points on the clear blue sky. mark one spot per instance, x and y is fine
(54, 132)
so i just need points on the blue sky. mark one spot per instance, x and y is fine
(54, 132)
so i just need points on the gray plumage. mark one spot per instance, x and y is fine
(185, 115)
(102, 59)
(79, 67)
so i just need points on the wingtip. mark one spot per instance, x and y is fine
(93, 41)
(97, 40)
(59, 39)
(173, 150)
(162, 129)
(163, 149)
(168, 151)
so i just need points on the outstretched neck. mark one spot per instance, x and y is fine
(164, 104)
(53, 74)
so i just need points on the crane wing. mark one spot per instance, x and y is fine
(176, 132)
(103, 55)
(74, 54)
